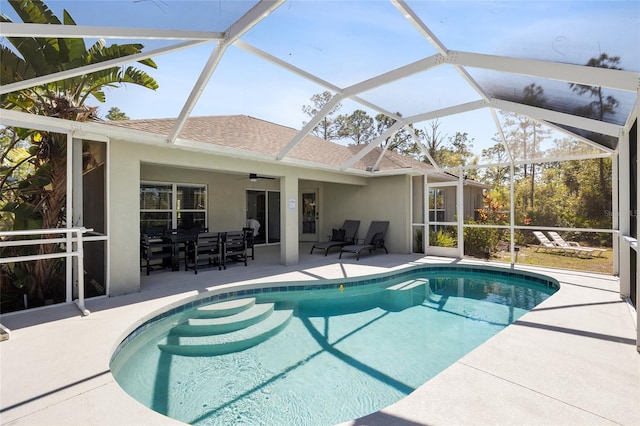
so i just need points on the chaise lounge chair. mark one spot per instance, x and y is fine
(340, 237)
(574, 246)
(544, 242)
(372, 241)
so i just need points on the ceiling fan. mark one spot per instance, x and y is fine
(253, 177)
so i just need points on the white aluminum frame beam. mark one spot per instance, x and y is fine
(503, 140)
(363, 86)
(310, 77)
(411, 16)
(18, 29)
(579, 137)
(63, 75)
(540, 160)
(283, 64)
(458, 109)
(372, 145)
(82, 129)
(309, 126)
(579, 74)
(393, 75)
(256, 14)
(559, 117)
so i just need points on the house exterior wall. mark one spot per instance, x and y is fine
(472, 201)
(124, 218)
(383, 198)
(131, 162)
(341, 197)
(226, 193)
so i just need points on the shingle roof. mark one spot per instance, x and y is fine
(255, 135)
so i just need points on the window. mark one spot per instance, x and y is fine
(172, 205)
(436, 205)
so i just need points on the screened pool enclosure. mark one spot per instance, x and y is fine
(533, 102)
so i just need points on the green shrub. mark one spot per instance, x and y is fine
(442, 238)
(481, 242)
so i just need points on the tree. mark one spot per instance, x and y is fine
(458, 153)
(433, 140)
(327, 128)
(524, 137)
(402, 141)
(358, 126)
(42, 194)
(496, 176)
(115, 114)
(601, 107)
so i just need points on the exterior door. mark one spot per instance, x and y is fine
(257, 212)
(443, 230)
(263, 214)
(309, 215)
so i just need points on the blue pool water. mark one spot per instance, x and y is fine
(344, 349)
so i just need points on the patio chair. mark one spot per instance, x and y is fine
(574, 246)
(248, 235)
(153, 248)
(205, 250)
(234, 248)
(372, 241)
(340, 237)
(544, 242)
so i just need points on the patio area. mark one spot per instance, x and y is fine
(565, 362)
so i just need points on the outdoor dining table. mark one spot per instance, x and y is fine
(176, 239)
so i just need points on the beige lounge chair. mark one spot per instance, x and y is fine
(544, 243)
(574, 246)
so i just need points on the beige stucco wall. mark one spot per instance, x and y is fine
(123, 219)
(226, 193)
(340, 197)
(383, 198)
(129, 163)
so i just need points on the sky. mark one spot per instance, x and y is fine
(344, 42)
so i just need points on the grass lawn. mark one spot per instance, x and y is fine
(528, 256)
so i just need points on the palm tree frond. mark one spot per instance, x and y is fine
(99, 53)
(139, 77)
(99, 95)
(74, 48)
(34, 11)
(13, 68)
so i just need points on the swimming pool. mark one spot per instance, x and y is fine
(329, 351)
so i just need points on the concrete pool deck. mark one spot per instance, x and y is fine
(572, 360)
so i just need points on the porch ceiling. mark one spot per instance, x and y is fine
(393, 64)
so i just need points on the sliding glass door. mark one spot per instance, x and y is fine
(263, 207)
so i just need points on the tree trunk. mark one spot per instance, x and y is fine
(533, 179)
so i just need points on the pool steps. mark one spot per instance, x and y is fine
(405, 294)
(239, 324)
(248, 324)
(226, 324)
(223, 309)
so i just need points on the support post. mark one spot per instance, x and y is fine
(289, 220)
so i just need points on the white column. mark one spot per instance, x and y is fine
(289, 220)
(615, 203)
(77, 200)
(460, 212)
(635, 218)
(427, 223)
(69, 262)
(621, 215)
(74, 198)
(512, 214)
